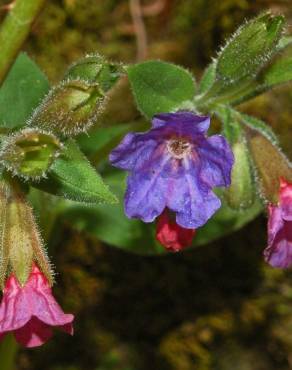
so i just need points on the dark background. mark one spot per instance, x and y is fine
(216, 307)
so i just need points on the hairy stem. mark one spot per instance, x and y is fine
(8, 351)
(15, 29)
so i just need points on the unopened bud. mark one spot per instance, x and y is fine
(249, 48)
(270, 163)
(30, 153)
(70, 108)
(241, 193)
(96, 69)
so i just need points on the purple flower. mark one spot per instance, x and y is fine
(279, 250)
(174, 165)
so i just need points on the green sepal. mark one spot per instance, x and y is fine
(95, 68)
(268, 160)
(29, 153)
(70, 108)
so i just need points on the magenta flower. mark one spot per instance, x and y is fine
(174, 165)
(31, 310)
(279, 250)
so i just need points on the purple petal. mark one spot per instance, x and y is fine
(183, 123)
(216, 161)
(146, 191)
(286, 200)
(134, 150)
(275, 223)
(279, 253)
(193, 201)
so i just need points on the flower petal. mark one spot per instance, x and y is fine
(286, 199)
(216, 160)
(275, 222)
(43, 304)
(33, 334)
(279, 252)
(15, 309)
(184, 122)
(146, 191)
(134, 150)
(191, 199)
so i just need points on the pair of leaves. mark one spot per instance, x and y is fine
(70, 176)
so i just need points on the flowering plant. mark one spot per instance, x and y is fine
(197, 185)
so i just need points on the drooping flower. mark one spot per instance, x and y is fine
(279, 250)
(30, 311)
(171, 235)
(174, 165)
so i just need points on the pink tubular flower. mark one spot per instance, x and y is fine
(279, 250)
(171, 235)
(31, 310)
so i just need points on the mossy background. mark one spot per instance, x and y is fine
(217, 307)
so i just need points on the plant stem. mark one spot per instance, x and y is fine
(8, 350)
(140, 30)
(15, 29)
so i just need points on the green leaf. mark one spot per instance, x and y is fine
(21, 92)
(109, 223)
(160, 87)
(72, 177)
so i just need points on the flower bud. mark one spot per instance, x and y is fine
(20, 243)
(30, 153)
(95, 69)
(250, 48)
(270, 163)
(241, 193)
(70, 108)
(171, 235)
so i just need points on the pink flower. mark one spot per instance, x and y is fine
(31, 310)
(279, 250)
(171, 235)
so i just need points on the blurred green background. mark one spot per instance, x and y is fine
(217, 307)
